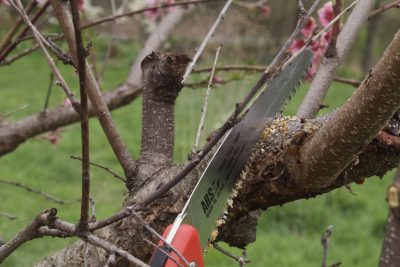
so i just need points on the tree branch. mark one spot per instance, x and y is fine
(327, 70)
(99, 105)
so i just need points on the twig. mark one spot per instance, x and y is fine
(164, 252)
(9, 216)
(39, 192)
(111, 260)
(351, 82)
(394, 4)
(116, 175)
(10, 47)
(46, 102)
(325, 243)
(327, 70)
(109, 46)
(18, 6)
(12, 112)
(241, 260)
(111, 248)
(203, 44)
(96, 98)
(251, 5)
(131, 13)
(204, 109)
(154, 232)
(10, 34)
(27, 233)
(81, 58)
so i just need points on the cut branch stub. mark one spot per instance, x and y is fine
(162, 76)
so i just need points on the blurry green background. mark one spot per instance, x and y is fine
(287, 236)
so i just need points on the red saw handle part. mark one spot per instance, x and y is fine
(186, 241)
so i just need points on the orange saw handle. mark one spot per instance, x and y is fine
(186, 241)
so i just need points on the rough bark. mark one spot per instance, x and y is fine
(390, 256)
(162, 75)
(266, 183)
(354, 125)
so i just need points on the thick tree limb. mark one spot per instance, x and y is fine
(327, 70)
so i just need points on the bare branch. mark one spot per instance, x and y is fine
(164, 252)
(40, 40)
(325, 243)
(329, 65)
(11, 46)
(162, 5)
(204, 109)
(9, 216)
(39, 192)
(111, 248)
(394, 4)
(242, 260)
(107, 169)
(84, 113)
(95, 96)
(27, 233)
(203, 44)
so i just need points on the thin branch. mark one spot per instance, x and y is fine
(27, 233)
(203, 44)
(325, 243)
(39, 38)
(99, 105)
(131, 13)
(327, 70)
(10, 47)
(163, 252)
(111, 260)
(47, 99)
(352, 82)
(12, 112)
(10, 34)
(105, 168)
(204, 109)
(242, 260)
(394, 4)
(81, 58)
(111, 248)
(39, 192)
(9, 216)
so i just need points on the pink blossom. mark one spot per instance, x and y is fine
(54, 136)
(153, 13)
(265, 10)
(4, 2)
(67, 103)
(81, 4)
(326, 14)
(296, 46)
(309, 27)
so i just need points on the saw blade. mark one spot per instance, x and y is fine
(209, 199)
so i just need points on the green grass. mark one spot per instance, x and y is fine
(287, 236)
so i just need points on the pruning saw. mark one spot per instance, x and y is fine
(192, 229)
